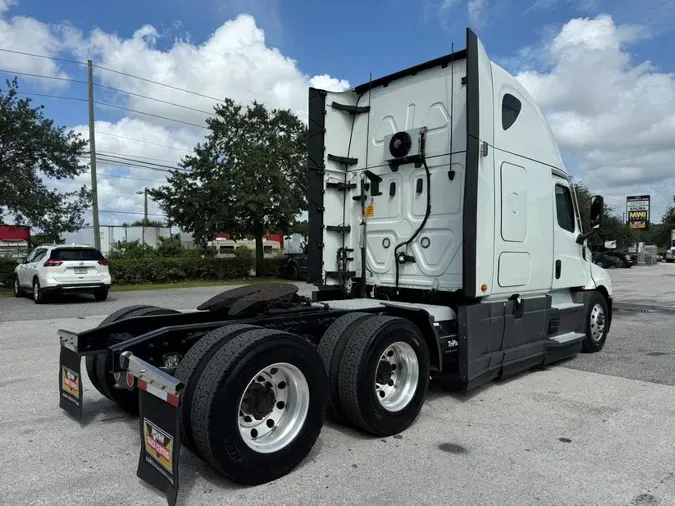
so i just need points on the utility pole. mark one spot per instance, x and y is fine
(92, 157)
(145, 207)
(145, 211)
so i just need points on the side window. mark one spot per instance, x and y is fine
(564, 208)
(510, 110)
(35, 256)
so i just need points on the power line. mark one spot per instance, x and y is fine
(118, 163)
(129, 177)
(172, 167)
(50, 96)
(160, 84)
(41, 76)
(145, 142)
(153, 99)
(106, 104)
(107, 153)
(114, 71)
(129, 212)
(43, 56)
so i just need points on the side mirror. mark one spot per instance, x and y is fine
(597, 212)
(20, 261)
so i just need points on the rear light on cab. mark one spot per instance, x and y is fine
(103, 261)
(52, 263)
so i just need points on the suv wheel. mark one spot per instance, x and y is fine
(18, 292)
(101, 295)
(38, 293)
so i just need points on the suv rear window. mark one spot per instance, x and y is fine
(70, 254)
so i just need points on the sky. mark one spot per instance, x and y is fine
(602, 71)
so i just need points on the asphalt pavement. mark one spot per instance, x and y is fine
(595, 429)
(78, 306)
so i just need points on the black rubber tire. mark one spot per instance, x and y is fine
(292, 272)
(127, 400)
(619, 263)
(600, 264)
(215, 407)
(359, 366)
(101, 295)
(90, 360)
(589, 344)
(331, 348)
(190, 370)
(41, 296)
(18, 291)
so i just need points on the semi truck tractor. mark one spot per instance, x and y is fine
(445, 244)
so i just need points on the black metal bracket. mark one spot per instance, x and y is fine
(343, 159)
(352, 109)
(360, 198)
(341, 186)
(339, 228)
(336, 274)
(464, 80)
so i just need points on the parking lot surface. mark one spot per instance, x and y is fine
(596, 429)
(77, 306)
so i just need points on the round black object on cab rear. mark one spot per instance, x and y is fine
(400, 144)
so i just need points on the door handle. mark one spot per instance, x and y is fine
(558, 268)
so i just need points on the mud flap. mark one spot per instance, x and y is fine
(70, 381)
(159, 396)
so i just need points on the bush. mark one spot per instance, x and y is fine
(272, 267)
(172, 270)
(7, 266)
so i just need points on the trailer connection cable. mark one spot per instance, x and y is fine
(404, 257)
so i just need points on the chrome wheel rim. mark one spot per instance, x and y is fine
(597, 322)
(36, 291)
(273, 408)
(16, 286)
(397, 376)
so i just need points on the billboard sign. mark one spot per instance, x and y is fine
(637, 210)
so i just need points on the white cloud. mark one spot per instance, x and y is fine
(234, 62)
(614, 116)
(29, 35)
(476, 11)
(6, 4)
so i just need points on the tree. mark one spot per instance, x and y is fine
(613, 228)
(248, 177)
(33, 148)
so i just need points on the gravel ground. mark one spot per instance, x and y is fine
(596, 429)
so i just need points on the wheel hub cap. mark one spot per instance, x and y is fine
(273, 408)
(397, 376)
(597, 322)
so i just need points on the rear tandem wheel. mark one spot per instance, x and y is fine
(97, 369)
(259, 405)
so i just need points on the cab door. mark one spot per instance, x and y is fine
(570, 269)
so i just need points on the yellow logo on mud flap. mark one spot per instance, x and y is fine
(70, 381)
(158, 444)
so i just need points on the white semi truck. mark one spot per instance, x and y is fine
(445, 244)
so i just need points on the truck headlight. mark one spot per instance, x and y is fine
(628, 257)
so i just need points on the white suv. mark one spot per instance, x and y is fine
(53, 269)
